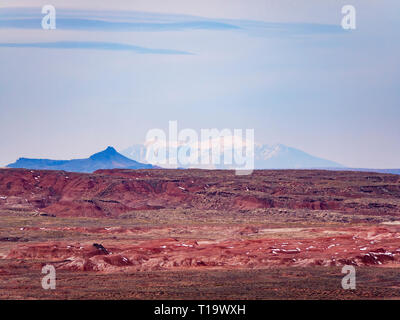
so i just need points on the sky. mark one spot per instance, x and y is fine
(113, 70)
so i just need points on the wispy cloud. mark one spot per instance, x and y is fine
(117, 21)
(93, 24)
(87, 45)
(28, 18)
(280, 29)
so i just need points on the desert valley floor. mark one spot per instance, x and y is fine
(197, 234)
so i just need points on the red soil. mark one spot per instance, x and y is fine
(252, 245)
(360, 246)
(109, 193)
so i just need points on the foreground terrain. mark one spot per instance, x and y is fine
(193, 234)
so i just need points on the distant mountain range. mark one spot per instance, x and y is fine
(266, 157)
(280, 156)
(276, 156)
(107, 159)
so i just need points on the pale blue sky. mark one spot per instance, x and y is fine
(115, 69)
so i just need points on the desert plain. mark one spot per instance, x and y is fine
(199, 234)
